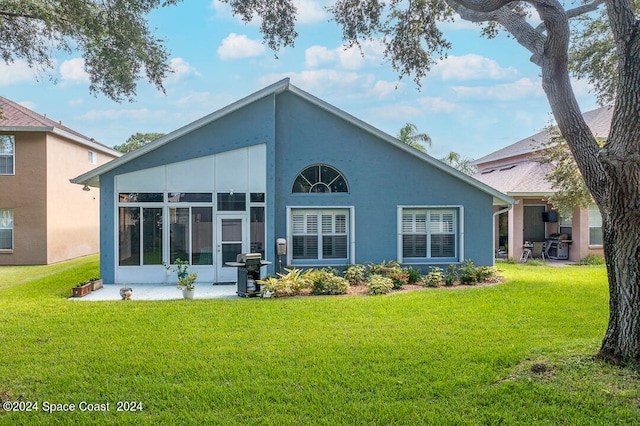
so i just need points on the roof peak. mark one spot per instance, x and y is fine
(598, 120)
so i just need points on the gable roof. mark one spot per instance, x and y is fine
(17, 118)
(91, 178)
(599, 121)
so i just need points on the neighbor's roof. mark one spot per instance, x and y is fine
(522, 178)
(599, 121)
(17, 118)
(92, 178)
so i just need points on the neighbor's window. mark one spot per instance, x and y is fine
(7, 154)
(93, 157)
(320, 234)
(429, 233)
(595, 226)
(6, 229)
(566, 224)
(320, 178)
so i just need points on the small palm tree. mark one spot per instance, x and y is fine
(410, 135)
(459, 162)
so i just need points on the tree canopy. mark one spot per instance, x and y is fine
(564, 176)
(113, 37)
(410, 135)
(136, 141)
(459, 162)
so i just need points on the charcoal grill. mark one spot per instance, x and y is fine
(248, 265)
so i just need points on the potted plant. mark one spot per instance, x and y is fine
(186, 283)
(96, 283)
(180, 267)
(186, 280)
(82, 289)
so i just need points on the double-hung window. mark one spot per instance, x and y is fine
(6, 229)
(428, 233)
(320, 234)
(595, 226)
(7, 154)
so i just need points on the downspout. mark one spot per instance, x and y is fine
(493, 229)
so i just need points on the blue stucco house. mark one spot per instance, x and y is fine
(283, 164)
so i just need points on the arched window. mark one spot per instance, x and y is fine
(319, 178)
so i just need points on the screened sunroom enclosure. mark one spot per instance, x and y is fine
(205, 228)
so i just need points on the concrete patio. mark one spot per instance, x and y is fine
(160, 292)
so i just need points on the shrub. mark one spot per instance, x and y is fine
(379, 285)
(468, 273)
(486, 272)
(414, 274)
(288, 284)
(384, 268)
(355, 274)
(536, 262)
(511, 261)
(592, 259)
(433, 278)
(398, 278)
(326, 281)
(450, 275)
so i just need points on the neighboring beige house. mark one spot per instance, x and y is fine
(43, 217)
(514, 171)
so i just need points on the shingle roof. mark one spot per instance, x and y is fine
(15, 116)
(518, 178)
(599, 121)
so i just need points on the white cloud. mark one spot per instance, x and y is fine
(317, 55)
(395, 112)
(437, 105)
(72, 71)
(28, 104)
(348, 58)
(138, 115)
(221, 9)
(381, 89)
(338, 84)
(15, 73)
(521, 89)
(77, 101)
(320, 81)
(472, 67)
(310, 12)
(181, 69)
(239, 46)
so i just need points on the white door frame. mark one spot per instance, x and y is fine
(226, 273)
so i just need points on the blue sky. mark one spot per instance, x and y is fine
(484, 96)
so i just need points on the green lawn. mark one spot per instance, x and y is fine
(442, 356)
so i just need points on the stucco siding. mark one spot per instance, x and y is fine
(381, 177)
(294, 133)
(25, 193)
(72, 214)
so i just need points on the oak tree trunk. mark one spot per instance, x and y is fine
(612, 174)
